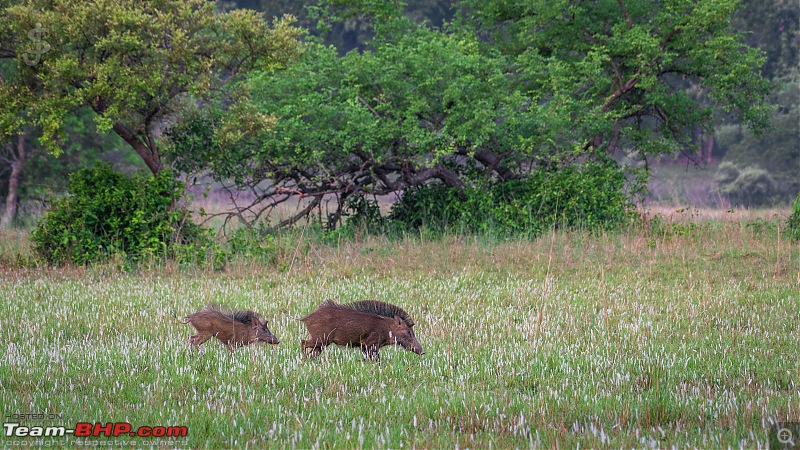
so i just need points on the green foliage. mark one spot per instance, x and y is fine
(794, 220)
(46, 177)
(665, 230)
(615, 72)
(110, 214)
(252, 245)
(364, 213)
(509, 90)
(137, 64)
(774, 27)
(590, 196)
(364, 124)
(426, 93)
(776, 151)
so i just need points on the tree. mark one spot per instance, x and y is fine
(775, 153)
(139, 65)
(421, 106)
(13, 155)
(774, 27)
(512, 88)
(32, 179)
(611, 74)
(353, 32)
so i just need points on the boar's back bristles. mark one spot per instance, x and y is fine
(245, 317)
(373, 307)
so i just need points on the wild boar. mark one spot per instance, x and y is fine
(368, 324)
(233, 328)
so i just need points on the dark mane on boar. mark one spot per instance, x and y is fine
(374, 307)
(244, 317)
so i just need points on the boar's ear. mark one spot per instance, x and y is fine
(410, 323)
(398, 321)
(254, 322)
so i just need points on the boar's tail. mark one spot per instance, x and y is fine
(184, 321)
(285, 313)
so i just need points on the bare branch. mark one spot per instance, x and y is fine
(290, 221)
(492, 162)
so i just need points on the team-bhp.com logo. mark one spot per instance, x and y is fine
(97, 429)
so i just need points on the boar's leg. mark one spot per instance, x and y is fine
(315, 346)
(198, 339)
(232, 345)
(371, 352)
(235, 342)
(370, 346)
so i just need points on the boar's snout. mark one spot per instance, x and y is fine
(263, 334)
(403, 335)
(418, 350)
(270, 339)
(416, 347)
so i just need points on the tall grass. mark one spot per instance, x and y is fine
(681, 334)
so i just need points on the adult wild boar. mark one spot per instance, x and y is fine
(368, 324)
(233, 328)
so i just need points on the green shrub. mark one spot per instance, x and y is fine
(751, 186)
(590, 196)
(364, 213)
(794, 220)
(108, 213)
(252, 244)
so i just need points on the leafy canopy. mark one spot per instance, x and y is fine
(508, 90)
(615, 73)
(366, 123)
(138, 64)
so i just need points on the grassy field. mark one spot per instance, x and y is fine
(683, 334)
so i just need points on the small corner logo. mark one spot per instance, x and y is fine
(785, 436)
(40, 46)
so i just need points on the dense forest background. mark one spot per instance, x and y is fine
(725, 166)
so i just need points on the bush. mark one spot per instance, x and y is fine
(108, 213)
(590, 196)
(253, 245)
(750, 187)
(794, 220)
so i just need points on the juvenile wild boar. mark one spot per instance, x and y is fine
(233, 328)
(368, 324)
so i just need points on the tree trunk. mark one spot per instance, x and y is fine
(150, 156)
(148, 153)
(709, 149)
(18, 159)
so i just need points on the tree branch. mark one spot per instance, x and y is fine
(370, 108)
(619, 93)
(668, 38)
(291, 220)
(625, 11)
(492, 162)
(438, 171)
(150, 158)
